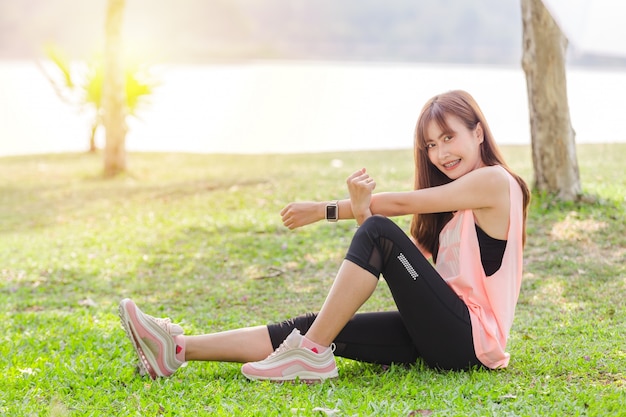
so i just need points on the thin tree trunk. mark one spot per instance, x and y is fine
(113, 92)
(92, 138)
(552, 136)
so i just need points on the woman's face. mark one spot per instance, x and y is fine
(456, 151)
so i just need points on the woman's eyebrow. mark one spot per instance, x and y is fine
(446, 132)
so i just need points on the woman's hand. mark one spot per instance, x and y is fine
(300, 214)
(360, 187)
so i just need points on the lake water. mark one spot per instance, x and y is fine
(269, 106)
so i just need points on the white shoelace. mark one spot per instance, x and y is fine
(167, 325)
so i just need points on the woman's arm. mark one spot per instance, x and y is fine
(303, 213)
(360, 186)
(482, 188)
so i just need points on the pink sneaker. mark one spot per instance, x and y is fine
(292, 361)
(157, 341)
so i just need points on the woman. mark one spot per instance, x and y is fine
(469, 213)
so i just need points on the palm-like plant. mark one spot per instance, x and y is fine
(81, 86)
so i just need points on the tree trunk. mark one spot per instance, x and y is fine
(92, 138)
(113, 92)
(552, 136)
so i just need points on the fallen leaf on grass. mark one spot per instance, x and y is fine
(327, 411)
(272, 272)
(420, 413)
(27, 371)
(87, 302)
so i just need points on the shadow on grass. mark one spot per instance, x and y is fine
(40, 206)
(575, 251)
(572, 292)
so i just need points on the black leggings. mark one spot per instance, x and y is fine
(431, 321)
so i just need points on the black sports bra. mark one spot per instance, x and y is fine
(491, 251)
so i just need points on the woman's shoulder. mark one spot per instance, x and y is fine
(493, 217)
(492, 176)
(506, 178)
(494, 170)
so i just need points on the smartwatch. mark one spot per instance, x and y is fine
(332, 212)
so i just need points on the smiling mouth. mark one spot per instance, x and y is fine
(452, 164)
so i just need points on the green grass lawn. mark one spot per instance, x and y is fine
(198, 238)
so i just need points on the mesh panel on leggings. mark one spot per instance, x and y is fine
(377, 261)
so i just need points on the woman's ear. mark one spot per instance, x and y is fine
(478, 131)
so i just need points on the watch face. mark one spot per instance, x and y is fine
(331, 212)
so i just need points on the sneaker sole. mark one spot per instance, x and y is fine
(302, 376)
(302, 379)
(145, 355)
(143, 365)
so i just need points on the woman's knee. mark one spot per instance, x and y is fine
(370, 230)
(377, 227)
(377, 222)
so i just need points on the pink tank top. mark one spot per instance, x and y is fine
(491, 300)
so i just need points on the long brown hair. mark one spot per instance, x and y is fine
(425, 228)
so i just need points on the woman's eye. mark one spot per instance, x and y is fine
(447, 138)
(430, 145)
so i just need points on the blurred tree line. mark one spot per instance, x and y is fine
(468, 31)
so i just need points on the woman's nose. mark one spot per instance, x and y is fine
(442, 150)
